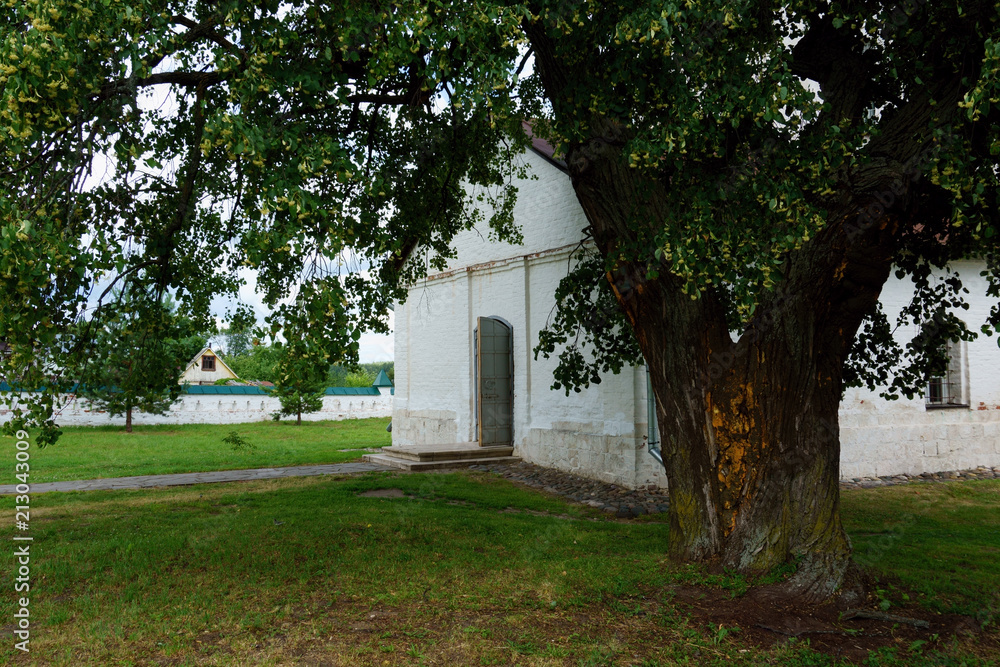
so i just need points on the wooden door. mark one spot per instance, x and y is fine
(495, 382)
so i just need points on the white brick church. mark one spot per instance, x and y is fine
(463, 353)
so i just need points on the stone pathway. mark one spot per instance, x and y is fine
(619, 501)
(183, 479)
(622, 502)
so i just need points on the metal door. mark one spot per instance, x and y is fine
(495, 382)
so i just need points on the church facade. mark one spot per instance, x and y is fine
(465, 371)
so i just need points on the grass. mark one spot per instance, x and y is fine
(108, 451)
(465, 569)
(941, 540)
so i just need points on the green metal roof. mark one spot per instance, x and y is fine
(382, 380)
(351, 391)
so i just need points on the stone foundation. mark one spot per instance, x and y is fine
(424, 427)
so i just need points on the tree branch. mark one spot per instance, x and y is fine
(206, 29)
(186, 79)
(186, 194)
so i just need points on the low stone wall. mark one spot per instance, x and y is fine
(589, 450)
(221, 409)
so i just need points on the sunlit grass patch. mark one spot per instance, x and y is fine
(108, 451)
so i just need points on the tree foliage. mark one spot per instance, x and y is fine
(297, 140)
(301, 373)
(766, 123)
(258, 364)
(237, 335)
(325, 137)
(362, 376)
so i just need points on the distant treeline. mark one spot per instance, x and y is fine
(260, 362)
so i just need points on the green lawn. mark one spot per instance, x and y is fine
(942, 540)
(462, 569)
(108, 451)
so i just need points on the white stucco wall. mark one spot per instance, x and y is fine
(880, 437)
(222, 409)
(599, 432)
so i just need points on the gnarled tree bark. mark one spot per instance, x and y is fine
(749, 427)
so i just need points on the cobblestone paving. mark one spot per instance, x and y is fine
(182, 479)
(613, 499)
(626, 503)
(981, 472)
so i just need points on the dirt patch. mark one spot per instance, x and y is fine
(829, 629)
(383, 493)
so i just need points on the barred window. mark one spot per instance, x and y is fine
(949, 388)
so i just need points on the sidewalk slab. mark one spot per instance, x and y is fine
(187, 478)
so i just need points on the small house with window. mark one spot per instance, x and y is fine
(466, 376)
(207, 368)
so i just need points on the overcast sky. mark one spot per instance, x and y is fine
(374, 347)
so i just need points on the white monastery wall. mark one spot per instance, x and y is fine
(880, 437)
(222, 409)
(600, 432)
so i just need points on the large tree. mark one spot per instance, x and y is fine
(751, 173)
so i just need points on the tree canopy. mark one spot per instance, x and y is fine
(186, 140)
(749, 167)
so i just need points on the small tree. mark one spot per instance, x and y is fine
(301, 381)
(296, 400)
(137, 355)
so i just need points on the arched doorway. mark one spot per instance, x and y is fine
(494, 382)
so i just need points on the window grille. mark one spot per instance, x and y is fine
(947, 389)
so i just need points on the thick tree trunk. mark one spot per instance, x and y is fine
(298, 418)
(751, 448)
(749, 428)
(128, 418)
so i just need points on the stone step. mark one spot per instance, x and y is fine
(446, 452)
(408, 464)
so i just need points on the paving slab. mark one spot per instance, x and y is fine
(187, 478)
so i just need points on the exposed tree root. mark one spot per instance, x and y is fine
(799, 633)
(882, 616)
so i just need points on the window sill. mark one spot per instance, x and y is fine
(946, 406)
